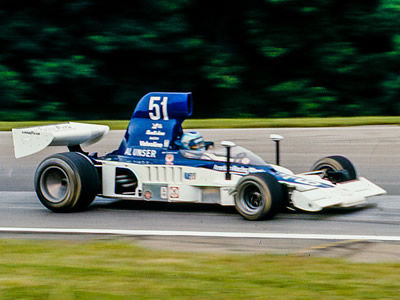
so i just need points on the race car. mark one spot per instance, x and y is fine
(151, 164)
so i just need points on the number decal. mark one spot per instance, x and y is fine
(164, 108)
(154, 108)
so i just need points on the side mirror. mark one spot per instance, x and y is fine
(276, 138)
(228, 145)
(209, 145)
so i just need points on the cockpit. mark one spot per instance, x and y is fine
(238, 155)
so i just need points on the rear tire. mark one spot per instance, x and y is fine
(258, 197)
(66, 182)
(335, 163)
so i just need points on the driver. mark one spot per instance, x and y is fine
(192, 140)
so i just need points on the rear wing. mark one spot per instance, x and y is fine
(30, 140)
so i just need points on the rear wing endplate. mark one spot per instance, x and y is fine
(30, 140)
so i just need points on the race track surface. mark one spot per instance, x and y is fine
(364, 233)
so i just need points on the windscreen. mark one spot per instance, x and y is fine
(239, 155)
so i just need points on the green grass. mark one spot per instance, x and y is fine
(239, 123)
(117, 269)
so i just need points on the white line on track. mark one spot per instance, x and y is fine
(201, 234)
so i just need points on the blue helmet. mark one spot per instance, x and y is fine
(192, 140)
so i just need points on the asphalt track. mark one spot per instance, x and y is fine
(366, 233)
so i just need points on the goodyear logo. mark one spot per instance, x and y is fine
(190, 176)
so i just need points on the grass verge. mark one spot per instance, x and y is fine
(117, 269)
(238, 123)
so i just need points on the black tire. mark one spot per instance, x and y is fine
(335, 163)
(258, 197)
(66, 182)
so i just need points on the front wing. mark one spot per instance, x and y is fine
(346, 194)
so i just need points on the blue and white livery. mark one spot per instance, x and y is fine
(151, 164)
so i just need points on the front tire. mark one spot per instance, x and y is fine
(66, 182)
(258, 197)
(336, 163)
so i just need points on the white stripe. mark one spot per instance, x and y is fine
(202, 234)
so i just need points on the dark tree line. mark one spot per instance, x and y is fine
(92, 59)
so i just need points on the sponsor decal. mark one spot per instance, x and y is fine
(166, 143)
(255, 170)
(150, 144)
(63, 126)
(163, 192)
(47, 128)
(147, 195)
(174, 192)
(238, 169)
(155, 132)
(154, 135)
(233, 169)
(156, 126)
(31, 132)
(141, 152)
(169, 159)
(300, 180)
(190, 176)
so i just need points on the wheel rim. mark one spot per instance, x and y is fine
(251, 198)
(325, 168)
(54, 184)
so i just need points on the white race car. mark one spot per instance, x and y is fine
(150, 165)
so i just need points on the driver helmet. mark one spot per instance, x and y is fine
(192, 140)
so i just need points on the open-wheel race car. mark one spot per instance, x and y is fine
(152, 164)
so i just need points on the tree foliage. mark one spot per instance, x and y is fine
(264, 58)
